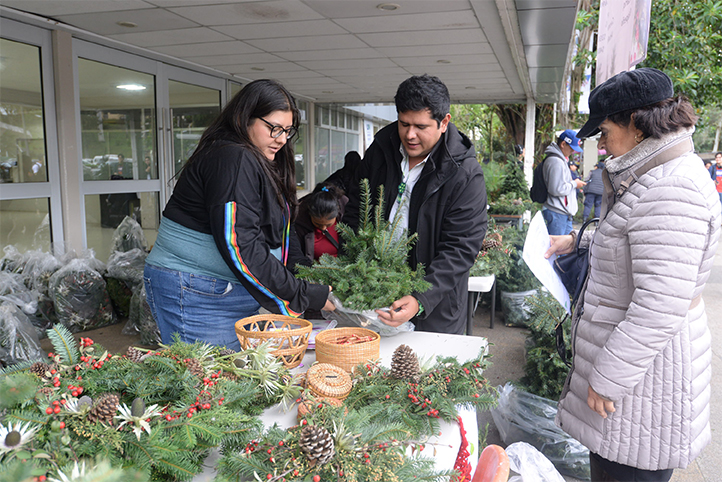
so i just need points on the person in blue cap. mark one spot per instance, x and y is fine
(561, 204)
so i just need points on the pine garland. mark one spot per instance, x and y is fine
(165, 436)
(372, 272)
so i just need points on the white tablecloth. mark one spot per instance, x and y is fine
(426, 345)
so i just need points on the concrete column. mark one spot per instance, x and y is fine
(68, 148)
(529, 140)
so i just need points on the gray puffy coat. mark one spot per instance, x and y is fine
(641, 337)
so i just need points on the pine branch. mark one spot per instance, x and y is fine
(64, 344)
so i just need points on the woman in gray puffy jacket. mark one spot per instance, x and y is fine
(638, 391)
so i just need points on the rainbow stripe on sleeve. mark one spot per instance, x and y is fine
(229, 234)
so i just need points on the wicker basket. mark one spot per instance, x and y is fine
(288, 336)
(328, 350)
(325, 380)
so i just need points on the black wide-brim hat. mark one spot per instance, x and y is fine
(625, 91)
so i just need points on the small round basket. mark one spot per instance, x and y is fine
(325, 380)
(347, 347)
(288, 336)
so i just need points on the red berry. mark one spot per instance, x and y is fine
(269, 476)
(388, 396)
(56, 410)
(42, 478)
(49, 410)
(316, 478)
(304, 422)
(62, 425)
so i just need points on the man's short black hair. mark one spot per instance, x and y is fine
(422, 92)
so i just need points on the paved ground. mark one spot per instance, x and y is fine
(508, 361)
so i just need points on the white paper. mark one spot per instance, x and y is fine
(536, 244)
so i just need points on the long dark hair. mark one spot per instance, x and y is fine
(255, 100)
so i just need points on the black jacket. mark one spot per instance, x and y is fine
(447, 210)
(226, 193)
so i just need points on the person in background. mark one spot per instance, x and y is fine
(638, 392)
(435, 186)
(561, 204)
(593, 191)
(147, 167)
(224, 238)
(344, 176)
(318, 215)
(716, 173)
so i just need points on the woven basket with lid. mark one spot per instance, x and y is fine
(347, 356)
(288, 336)
(326, 380)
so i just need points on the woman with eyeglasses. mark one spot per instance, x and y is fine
(225, 235)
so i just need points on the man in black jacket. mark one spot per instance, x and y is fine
(433, 181)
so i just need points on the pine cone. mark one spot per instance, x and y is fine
(43, 395)
(134, 354)
(230, 376)
(317, 443)
(40, 369)
(104, 409)
(227, 351)
(405, 364)
(195, 367)
(489, 243)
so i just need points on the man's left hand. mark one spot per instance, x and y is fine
(401, 311)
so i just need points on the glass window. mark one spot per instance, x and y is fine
(235, 88)
(25, 224)
(352, 141)
(299, 151)
(334, 117)
(338, 150)
(104, 212)
(325, 116)
(193, 108)
(117, 116)
(323, 162)
(22, 132)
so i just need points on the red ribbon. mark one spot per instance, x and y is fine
(462, 465)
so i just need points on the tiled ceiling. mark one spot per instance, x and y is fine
(349, 51)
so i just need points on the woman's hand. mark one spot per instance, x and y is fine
(560, 245)
(598, 403)
(329, 306)
(400, 311)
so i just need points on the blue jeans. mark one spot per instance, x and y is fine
(557, 224)
(589, 200)
(197, 307)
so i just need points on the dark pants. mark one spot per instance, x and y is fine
(589, 201)
(604, 470)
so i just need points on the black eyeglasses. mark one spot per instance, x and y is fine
(276, 131)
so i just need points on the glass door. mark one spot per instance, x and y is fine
(192, 101)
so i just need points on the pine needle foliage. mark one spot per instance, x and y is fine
(544, 370)
(184, 414)
(373, 271)
(64, 344)
(418, 406)
(364, 451)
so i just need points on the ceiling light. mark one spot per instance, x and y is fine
(387, 7)
(327, 92)
(131, 87)
(470, 87)
(443, 61)
(259, 69)
(127, 24)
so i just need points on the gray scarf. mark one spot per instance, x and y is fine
(643, 151)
